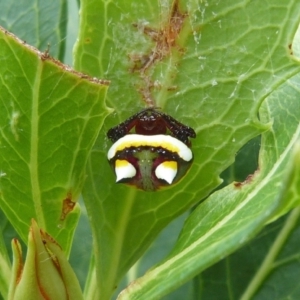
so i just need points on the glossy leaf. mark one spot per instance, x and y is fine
(227, 59)
(50, 117)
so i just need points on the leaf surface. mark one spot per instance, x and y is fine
(227, 58)
(230, 217)
(41, 24)
(270, 262)
(50, 117)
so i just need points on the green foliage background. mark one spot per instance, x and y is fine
(236, 76)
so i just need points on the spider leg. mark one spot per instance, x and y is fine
(179, 130)
(122, 129)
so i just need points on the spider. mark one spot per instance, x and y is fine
(151, 149)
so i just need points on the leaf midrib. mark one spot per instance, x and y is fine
(33, 163)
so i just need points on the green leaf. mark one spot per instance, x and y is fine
(231, 216)
(274, 264)
(283, 108)
(40, 23)
(209, 235)
(270, 263)
(50, 117)
(228, 57)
